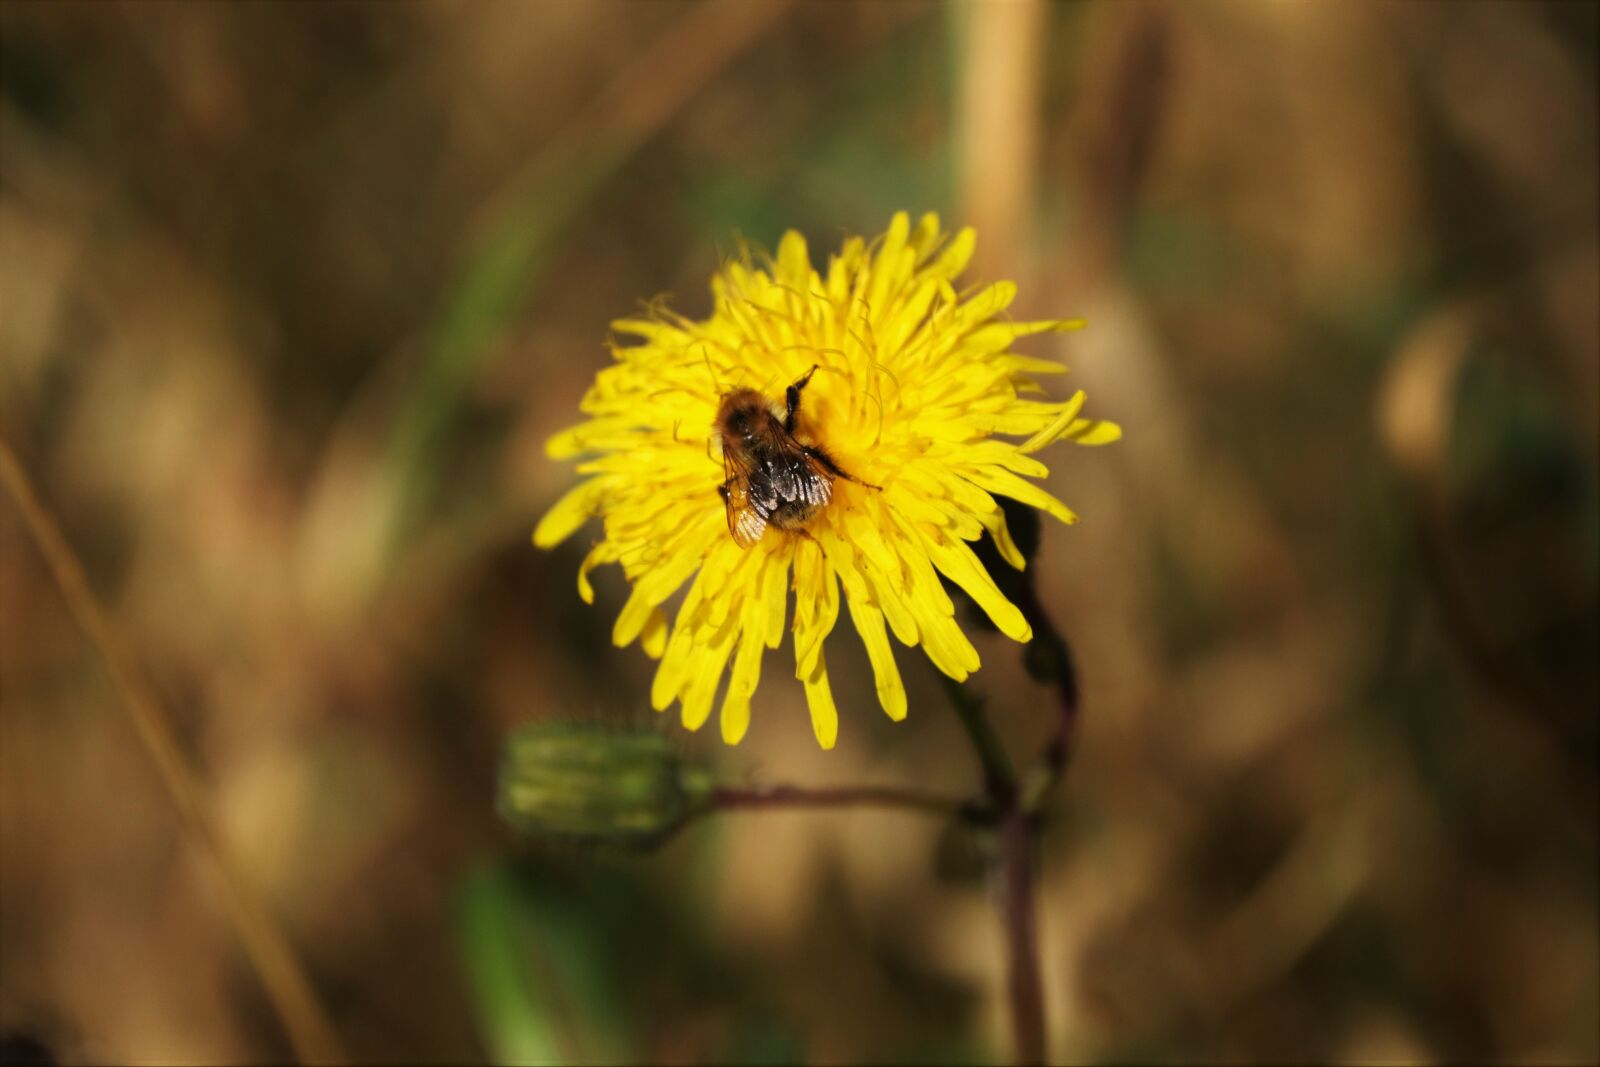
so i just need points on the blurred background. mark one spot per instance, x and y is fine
(290, 297)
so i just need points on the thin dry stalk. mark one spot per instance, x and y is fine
(1002, 66)
(302, 1016)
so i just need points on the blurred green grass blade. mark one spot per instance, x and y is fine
(516, 1028)
(526, 221)
(760, 1040)
(545, 984)
(477, 310)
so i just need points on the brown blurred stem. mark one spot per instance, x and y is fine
(1023, 980)
(292, 997)
(1001, 51)
(1024, 985)
(999, 780)
(1049, 659)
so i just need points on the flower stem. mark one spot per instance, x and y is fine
(1023, 980)
(1024, 986)
(999, 779)
(1049, 660)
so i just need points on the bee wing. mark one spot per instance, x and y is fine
(747, 525)
(795, 475)
(815, 481)
(776, 475)
(747, 518)
(746, 521)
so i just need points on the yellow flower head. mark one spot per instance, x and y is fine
(913, 382)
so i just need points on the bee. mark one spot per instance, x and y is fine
(773, 479)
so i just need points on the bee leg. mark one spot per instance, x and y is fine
(791, 397)
(833, 468)
(722, 491)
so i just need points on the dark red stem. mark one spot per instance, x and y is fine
(1023, 981)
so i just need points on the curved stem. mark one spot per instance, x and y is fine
(1023, 981)
(292, 997)
(1049, 659)
(999, 779)
(1024, 985)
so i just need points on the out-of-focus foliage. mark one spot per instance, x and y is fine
(291, 295)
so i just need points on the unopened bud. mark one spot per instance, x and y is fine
(591, 783)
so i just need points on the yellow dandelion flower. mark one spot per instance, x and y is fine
(898, 423)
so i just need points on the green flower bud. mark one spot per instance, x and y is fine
(595, 784)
